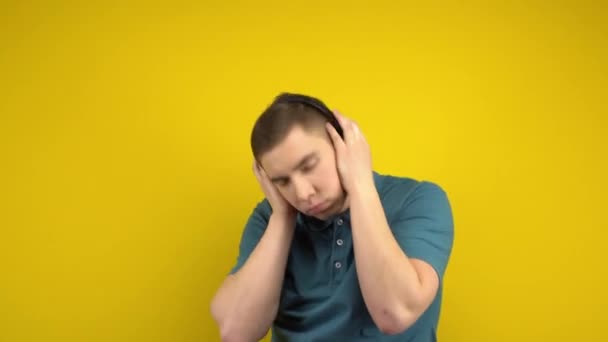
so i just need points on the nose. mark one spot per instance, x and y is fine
(304, 190)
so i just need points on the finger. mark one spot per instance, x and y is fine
(341, 119)
(256, 170)
(262, 172)
(335, 137)
(349, 127)
(259, 171)
(356, 131)
(349, 132)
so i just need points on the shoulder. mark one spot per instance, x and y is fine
(399, 193)
(263, 208)
(391, 187)
(260, 215)
(420, 218)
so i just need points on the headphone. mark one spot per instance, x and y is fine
(312, 103)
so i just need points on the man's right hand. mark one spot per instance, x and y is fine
(279, 204)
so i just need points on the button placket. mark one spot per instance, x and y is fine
(339, 223)
(337, 251)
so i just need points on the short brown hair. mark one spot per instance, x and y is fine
(285, 112)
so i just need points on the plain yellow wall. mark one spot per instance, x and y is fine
(126, 175)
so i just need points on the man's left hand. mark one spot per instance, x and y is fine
(353, 155)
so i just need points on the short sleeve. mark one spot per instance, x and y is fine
(252, 233)
(424, 226)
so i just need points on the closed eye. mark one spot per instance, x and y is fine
(281, 182)
(309, 167)
(307, 164)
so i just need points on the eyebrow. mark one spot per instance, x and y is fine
(300, 164)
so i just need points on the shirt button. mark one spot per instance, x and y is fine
(338, 264)
(340, 222)
(340, 242)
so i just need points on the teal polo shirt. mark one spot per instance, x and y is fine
(321, 299)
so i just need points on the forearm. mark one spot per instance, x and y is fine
(246, 306)
(389, 283)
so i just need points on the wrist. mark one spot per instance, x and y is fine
(284, 218)
(363, 187)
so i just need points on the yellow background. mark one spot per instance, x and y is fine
(126, 178)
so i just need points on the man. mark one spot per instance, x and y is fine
(335, 251)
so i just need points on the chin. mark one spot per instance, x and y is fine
(329, 212)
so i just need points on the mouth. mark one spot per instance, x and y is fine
(317, 208)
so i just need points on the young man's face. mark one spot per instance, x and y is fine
(303, 168)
